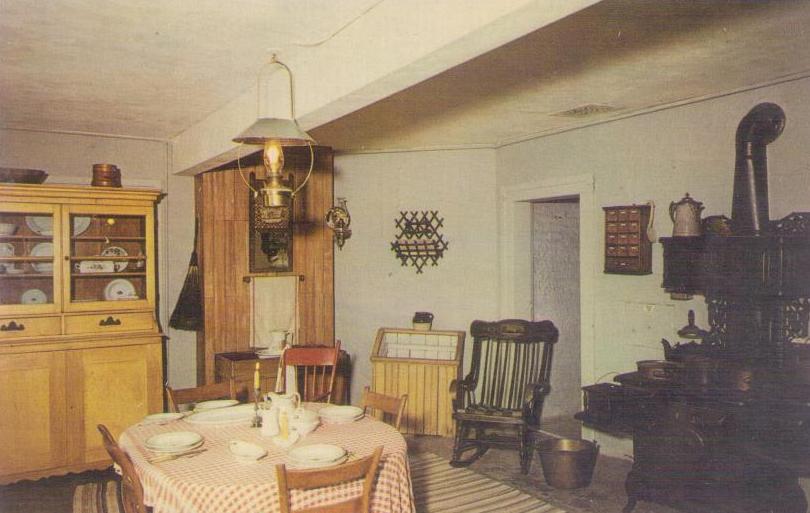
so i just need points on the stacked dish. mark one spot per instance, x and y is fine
(340, 414)
(174, 442)
(316, 456)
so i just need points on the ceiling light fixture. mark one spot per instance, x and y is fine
(274, 134)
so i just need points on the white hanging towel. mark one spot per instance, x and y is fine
(275, 309)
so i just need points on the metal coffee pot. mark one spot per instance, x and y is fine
(685, 215)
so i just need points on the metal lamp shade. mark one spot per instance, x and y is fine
(285, 131)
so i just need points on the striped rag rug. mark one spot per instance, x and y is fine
(102, 496)
(440, 488)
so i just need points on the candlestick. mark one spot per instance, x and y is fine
(257, 419)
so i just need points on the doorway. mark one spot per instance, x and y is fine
(516, 300)
(556, 295)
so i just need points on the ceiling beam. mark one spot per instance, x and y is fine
(393, 47)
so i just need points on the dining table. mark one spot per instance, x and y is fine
(213, 480)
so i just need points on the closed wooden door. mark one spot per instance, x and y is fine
(32, 412)
(114, 386)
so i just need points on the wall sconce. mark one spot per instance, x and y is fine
(272, 216)
(339, 219)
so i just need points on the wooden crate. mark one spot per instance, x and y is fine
(421, 364)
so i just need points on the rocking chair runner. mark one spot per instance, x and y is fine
(505, 389)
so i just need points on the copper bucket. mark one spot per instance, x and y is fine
(568, 463)
(106, 175)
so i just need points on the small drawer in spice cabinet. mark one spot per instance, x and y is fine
(628, 249)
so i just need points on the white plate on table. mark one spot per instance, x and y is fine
(43, 249)
(115, 251)
(119, 289)
(174, 441)
(246, 452)
(317, 456)
(43, 225)
(232, 415)
(33, 297)
(213, 405)
(340, 414)
(161, 418)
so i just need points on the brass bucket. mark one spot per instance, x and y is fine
(568, 463)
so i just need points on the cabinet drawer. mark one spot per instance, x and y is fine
(622, 264)
(109, 322)
(15, 327)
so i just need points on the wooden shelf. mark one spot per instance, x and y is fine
(107, 275)
(107, 258)
(23, 238)
(29, 276)
(26, 259)
(111, 237)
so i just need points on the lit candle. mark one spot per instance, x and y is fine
(256, 378)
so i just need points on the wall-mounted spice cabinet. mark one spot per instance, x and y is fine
(627, 247)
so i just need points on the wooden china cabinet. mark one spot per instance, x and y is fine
(79, 341)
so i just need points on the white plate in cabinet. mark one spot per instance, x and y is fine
(109, 322)
(19, 327)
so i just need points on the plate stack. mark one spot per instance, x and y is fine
(340, 414)
(317, 456)
(174, 442)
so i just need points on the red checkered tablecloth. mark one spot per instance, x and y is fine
(214, 481)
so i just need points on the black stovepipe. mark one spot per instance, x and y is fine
(749, 208)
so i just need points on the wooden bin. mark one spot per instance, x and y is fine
(421, 364)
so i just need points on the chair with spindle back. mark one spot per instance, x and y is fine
(131, 487)
(384, 404)
(505, 388)
(201, 393)
(364, 468)
(316, 368)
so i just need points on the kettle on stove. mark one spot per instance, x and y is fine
(685, 215)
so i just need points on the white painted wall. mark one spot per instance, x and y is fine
(555, 287)
(69, 158)
(659, 156)
(372, 289)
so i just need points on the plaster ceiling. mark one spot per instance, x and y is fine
(147, 68)
(153, 68)
(630, 55)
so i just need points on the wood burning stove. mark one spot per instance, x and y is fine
(729, 429)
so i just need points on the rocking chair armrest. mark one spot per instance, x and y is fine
(459, 388)
(533, 397)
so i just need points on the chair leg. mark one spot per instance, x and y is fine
(526, 449)
(463, 443)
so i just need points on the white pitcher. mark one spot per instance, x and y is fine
(285, 402)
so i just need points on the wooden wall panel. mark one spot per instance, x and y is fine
(222, 210)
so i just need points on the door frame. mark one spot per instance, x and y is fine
(515, 253)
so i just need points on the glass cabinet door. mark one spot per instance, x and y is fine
(29, 280)
(109, 258)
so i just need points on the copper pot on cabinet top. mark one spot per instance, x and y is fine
(106, 175)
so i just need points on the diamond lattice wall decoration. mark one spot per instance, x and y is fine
(418, 241)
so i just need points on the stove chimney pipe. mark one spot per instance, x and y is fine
(749, 208)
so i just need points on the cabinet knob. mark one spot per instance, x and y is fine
(67, 258)
(12, 326)
(109, 321)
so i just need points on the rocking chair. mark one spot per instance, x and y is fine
(500, 401)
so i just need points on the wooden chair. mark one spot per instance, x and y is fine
(202, 393)
(384, 404)
(316, 368)
(505, 388)
(364, 468)
(131, 487)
